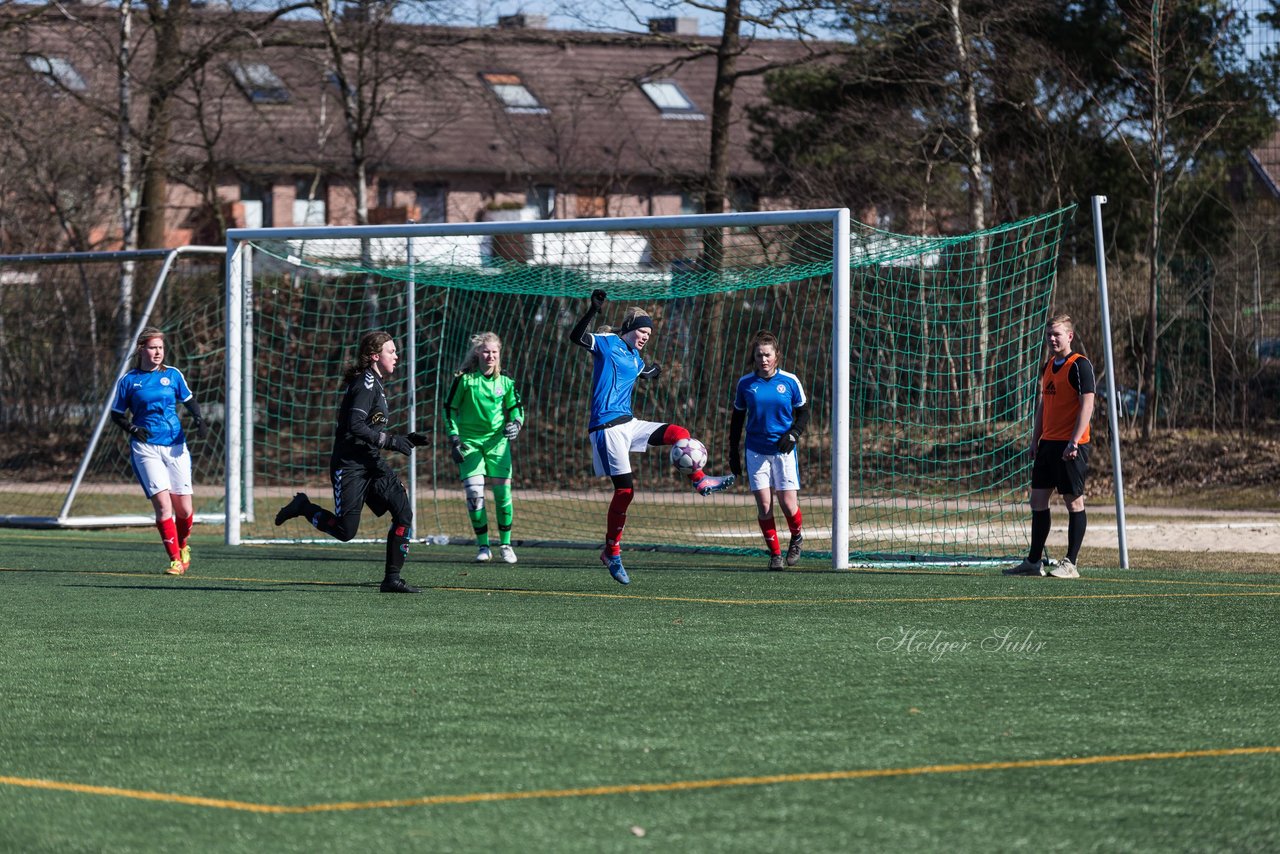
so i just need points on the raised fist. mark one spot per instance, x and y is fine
(597, 299)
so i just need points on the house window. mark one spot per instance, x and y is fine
(57, 71)
(670, 99)
(690, 203)
(259, 83)
(513, 93)
(255, 199)
(308, 204)
(432, 201)
(543, 198)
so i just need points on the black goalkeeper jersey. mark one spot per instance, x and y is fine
(361, 430)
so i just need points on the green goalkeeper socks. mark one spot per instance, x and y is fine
(480, 524)
(506, 511)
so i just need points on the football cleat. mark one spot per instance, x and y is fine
(775, 561)
(710, 484)
(1066, 568)
(483, 555)
(1027, 567)
(184, 555)
(396, 585)
(614, 564)
(294, 509)
(793, 550)
(507, 553)
(175, 567)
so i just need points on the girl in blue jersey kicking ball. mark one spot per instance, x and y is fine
(150, 393)
(772, 404)
(615, 432)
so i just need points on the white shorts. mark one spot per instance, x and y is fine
(161, 467)
(612, 447)
(780, 471)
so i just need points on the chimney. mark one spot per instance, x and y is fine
(674, 26)
(522, 21)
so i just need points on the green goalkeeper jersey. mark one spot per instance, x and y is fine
(478, 406)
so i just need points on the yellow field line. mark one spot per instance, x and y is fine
(633, 788)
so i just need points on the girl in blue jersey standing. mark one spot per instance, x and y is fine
(146, 408)
(772, 404)
(615, 432)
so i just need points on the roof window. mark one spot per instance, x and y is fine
(57, 71)
(513, 93)
(670, 99)
(259, 83)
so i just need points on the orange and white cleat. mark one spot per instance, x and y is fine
(175, 567)
(184, 555)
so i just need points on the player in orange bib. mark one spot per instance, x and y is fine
(1060, 448)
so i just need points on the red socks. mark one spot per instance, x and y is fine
(674, 433)
(617, 520)
(183, 526)
(169, 535)
(794, 522)
(769, 528)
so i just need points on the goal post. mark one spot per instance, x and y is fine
(59, 309)
(884, 330)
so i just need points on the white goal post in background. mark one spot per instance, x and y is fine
(412, 248)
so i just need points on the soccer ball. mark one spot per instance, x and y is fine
(688, 455)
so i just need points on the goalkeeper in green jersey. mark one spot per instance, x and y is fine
(483, 414)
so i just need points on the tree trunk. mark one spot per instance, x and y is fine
(128, 213)
(977, 214)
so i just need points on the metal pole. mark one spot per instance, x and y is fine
(840, 391)
(231, 422)
(411, 353)
(1113, 416)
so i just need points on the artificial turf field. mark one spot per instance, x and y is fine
(273, 701)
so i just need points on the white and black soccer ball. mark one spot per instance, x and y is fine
(688, 455)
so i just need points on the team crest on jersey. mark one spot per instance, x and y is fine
(164, 381)
(782, 389)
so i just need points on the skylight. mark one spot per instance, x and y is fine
(512, 92)
(57, 72)
(670, 99)
(259, 83)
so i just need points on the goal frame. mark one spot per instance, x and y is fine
(239, 331)
(170, 257)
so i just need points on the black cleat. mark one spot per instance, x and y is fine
(396, 585)
(295, 508)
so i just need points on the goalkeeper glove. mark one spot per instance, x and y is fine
(511, 429)
(597, 299)
(418, 439)
(455, 449)
(735, 462)
(202, 427)
(138, 432)
(786, 443)
(400, 443)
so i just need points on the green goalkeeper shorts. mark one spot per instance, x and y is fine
(491, 458)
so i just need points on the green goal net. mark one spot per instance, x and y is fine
(940, 345)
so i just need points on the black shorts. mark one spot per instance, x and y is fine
(380, 489)
(1051, 471)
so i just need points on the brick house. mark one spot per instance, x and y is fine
(473, 123)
